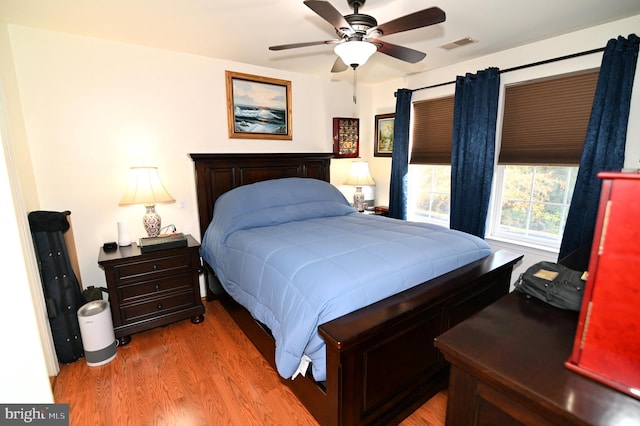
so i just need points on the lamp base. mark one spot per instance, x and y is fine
(358, 199)
(151, 221)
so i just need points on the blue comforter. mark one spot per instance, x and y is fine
(296, 255)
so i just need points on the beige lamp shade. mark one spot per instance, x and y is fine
(359, 175)
(145, 187)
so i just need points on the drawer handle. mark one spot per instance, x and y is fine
(155, 267)
(159, 305)
(157, 287)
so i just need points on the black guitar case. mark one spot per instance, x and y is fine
(62, 292)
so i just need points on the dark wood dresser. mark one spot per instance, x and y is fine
(148, 290)
(507, 368)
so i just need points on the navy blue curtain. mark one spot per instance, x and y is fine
(400, 157)
(605, 141)
(475, 111)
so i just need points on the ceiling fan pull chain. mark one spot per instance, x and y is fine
(355, 86)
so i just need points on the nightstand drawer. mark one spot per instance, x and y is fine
(153, 308)
(130, 292)
(154, 267)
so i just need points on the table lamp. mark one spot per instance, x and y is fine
(359, 176)
(146, 188)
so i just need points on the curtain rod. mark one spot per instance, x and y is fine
(533, 64)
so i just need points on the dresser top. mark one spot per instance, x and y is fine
(522, 344)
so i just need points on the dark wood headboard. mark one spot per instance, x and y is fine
(219, 173)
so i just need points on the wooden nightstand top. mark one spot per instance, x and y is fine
(133, 250)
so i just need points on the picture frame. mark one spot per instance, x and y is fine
(383, 143)
(258, 107)
(346, 137)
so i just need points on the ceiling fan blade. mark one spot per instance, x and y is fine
(310, 43)
(424, 18)
(403, 53)
(328, 13)
(339, 65)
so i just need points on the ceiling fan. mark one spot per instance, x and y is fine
(359, 34)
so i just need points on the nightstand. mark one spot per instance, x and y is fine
(381, 210)
(377, 211)
(148, 290)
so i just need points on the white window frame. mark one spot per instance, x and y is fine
(493, 218)
(411, 201)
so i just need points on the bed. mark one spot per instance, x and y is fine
(380, 362)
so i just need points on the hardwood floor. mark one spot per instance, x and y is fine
(185, 374)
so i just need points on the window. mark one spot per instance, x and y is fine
(533, 203)
(429, 194)
(430, 168)
(544, 127)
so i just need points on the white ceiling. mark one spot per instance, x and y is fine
(242, 30)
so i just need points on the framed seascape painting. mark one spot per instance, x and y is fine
(383, 144)
(258, 107)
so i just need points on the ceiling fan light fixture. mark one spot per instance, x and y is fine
(355, 53)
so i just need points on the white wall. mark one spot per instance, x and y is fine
(93, 108)
(26, 361)
(23, 372)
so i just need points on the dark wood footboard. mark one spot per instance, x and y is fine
(381, 360)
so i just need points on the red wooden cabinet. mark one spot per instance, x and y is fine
(607, 341)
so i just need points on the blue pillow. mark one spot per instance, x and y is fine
(273, 202)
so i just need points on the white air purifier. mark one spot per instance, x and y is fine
(96, 328)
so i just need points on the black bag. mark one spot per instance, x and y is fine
(554, 284)
(62, 293)
(92, 293)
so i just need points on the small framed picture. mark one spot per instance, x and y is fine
(346, 137)
(383, 144)
(258, 107)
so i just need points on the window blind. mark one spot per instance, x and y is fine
(545, 121)
(432, 131)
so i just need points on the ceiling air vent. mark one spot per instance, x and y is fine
(458, 43)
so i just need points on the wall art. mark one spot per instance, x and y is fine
(258, 107)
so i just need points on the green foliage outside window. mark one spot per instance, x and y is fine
(535, 200)
(533, 203)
